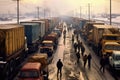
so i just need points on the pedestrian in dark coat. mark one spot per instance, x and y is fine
(89, 60)
(72, 38)
(75, 47)
(78, 56)
(59, 67)
(102, 63)
(79, 45)
(82, 50)
(85, 60)
(77, 37)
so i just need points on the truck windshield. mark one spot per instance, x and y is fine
(111, 37)
(45, 50)
(117, 58)
(48, 44)
(29, 74)
(112, 47)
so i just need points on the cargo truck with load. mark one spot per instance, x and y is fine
(86, 31)
(47, 24)
(31, 71)
(42, 28)
(109, 46)
(44, 60)
(12, 48)
(52, 37)
(97, 35)
(47, 46)
(32, 33)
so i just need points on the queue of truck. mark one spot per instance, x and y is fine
(47, 49)
(17, 41)
(103, 39)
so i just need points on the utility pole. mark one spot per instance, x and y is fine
(89, 11)
(110, 13)
(17, 10)
(38, 8)
(80, 11)
(44, 13)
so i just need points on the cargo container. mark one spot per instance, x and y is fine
(12, 47)
(88, 28)
(32, 32)
(47, 24)
(42, 27)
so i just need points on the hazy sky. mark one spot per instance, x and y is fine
(60, 6)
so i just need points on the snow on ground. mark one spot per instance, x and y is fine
(70, 71)
(73, 70)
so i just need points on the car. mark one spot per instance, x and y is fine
(114, 60)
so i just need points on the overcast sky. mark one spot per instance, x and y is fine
(60, 6)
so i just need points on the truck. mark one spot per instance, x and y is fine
(42, 28)
(12, 48)
(110, 41)
(114, 60)
(31, 71)
(32, 33)
(88, 29)
(109, 46)
(47, 46)
(52, 37)
(44, 60)
(97, 35)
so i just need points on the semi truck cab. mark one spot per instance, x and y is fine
(31, 71)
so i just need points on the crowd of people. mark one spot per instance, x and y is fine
(79, 50)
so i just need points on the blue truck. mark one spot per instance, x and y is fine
(32, 33)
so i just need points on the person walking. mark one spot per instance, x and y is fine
(82, 49)
(78, 56)
(79, 45)
(59, 67)
(72, 38)
(85, 60)
(102, 63)
(77, 37)
(75, 46)
(89, 57)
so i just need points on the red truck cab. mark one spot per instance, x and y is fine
(31, 71)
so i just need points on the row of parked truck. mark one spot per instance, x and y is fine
(41, 59)
(18, 40)
(104, 40)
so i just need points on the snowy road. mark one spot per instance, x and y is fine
(71, 70)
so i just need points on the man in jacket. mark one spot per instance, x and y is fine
(59, 67)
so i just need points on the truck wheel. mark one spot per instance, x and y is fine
(7, 70)
(12, 65)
